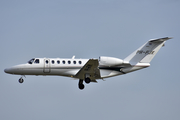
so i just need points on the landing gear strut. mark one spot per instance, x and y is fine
(21, 80)
(81, 85)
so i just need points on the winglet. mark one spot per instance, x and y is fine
(73, 56)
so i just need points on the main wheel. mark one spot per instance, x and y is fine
(81, 86)
(21, 80)
(87, 80)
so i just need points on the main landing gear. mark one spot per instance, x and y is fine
(87, 80)
(81, 85)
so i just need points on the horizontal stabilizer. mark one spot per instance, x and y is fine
(160, 39)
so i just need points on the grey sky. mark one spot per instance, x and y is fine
(89, 29)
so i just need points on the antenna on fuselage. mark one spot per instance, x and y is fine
(73, 56)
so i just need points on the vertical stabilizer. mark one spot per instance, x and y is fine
(146, 52)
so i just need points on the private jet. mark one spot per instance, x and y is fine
(90, 70)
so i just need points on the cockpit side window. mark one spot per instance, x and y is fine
(31, 61)
(36, 61)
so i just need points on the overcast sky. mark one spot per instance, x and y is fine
(89, 29)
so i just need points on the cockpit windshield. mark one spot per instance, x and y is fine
(31, 61)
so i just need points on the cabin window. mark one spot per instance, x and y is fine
(63, 62)
(74, 62)
(36, 61)
(31, 61)
(69, 62)
(58, 62)
(80, 62)
(47, 61)
(52, 61)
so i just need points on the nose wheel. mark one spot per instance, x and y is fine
(21, 80)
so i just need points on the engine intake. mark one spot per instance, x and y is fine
(110, 61)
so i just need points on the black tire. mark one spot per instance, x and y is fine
(81, 86)
(21, 80)
(87, 80)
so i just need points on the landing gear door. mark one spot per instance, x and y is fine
(46, 66)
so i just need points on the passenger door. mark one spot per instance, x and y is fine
(46, 66)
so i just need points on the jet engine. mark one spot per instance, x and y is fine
(110, 61)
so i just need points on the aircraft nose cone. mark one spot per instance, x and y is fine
(14, 70)
(7, 70)
(10, 70)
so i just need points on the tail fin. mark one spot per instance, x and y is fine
(146, 53)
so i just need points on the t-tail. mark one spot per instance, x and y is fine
(146, 52)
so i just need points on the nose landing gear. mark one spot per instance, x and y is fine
(21, 80)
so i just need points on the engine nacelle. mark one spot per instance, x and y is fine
(110, 61)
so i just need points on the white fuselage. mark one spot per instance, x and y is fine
(66, 67)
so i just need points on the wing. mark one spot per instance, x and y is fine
(90, 69)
